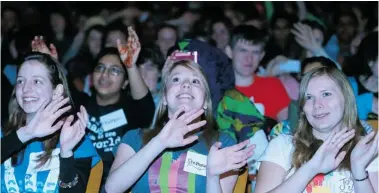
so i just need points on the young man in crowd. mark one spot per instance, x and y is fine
(267, 93)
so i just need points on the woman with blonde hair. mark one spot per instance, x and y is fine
(327, 152)
(180, 153)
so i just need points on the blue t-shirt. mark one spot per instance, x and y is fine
(332, 48)
(25, 178)
(166, 173)
(364, 100)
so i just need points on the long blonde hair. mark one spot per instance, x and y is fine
(210, 131)
(17, 116)
(305, 143)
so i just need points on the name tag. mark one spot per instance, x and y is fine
(196, 163)
(113, 120)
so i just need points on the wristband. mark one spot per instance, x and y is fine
(363, 179)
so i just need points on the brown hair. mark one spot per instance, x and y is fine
(17, 116)
(305, 143)
(210, 131)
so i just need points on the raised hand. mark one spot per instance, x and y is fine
(362, 22)
(39, 45)
(327, 157)
(364, 152)
(305, 38)
(174, 132)
(129, 52)
(273, 66)
(72, 134)
(222, 160)
(42, 123)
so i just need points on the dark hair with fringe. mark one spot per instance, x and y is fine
(249, 34)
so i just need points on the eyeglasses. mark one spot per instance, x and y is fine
(113, 70)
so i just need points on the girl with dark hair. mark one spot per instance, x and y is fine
(120, 100)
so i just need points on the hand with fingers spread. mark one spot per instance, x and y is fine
(364, 152)
(42, 123)
(174, 132)
(305, 38)
(71, 134)
(222, 160)
(129, 52)
(39, 45)
(328, 156)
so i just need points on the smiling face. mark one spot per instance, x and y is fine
(33, 86)
(184, 87)
(324, 104)
(108, 76)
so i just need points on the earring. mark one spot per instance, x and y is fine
(205, 107)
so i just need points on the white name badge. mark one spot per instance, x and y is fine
(196, 163)
(260, 141)
(113, 120)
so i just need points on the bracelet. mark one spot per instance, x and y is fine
(363, 179)
(69, 184)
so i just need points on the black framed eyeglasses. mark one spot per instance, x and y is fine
(112, 70)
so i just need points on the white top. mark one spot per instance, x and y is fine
(280, 150)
